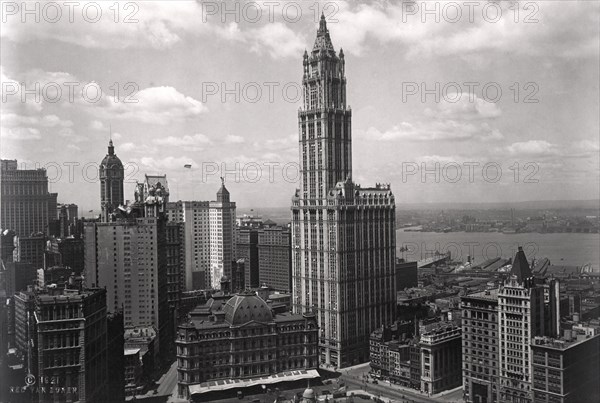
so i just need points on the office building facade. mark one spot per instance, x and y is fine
(520, 318)
(76, 355)
(343, 235)
(247, 249)
(480, 346)
(242, 338)
(209, 234)
(274, 258)
(27, 205)
(566, 369)
(441, 358)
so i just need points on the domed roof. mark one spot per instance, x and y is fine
(308, 394)
(246, 307)
(111, 160)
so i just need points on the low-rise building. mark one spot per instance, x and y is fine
(242, 339)
(133, 372)
(441, 358)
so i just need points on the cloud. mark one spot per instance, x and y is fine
(97, 125)
(586, 147)
(20, 134)
(464, 106)
(232, 139)
(127, 147)
(165, 163)
(533, 148)
(279, 144)
(13, 98)
(184, 141)
(154, 25)
(147, 25)
(37, 88)
(278, 40)
(13, 119)
(443, 130)
(156, 105)
(538, 28)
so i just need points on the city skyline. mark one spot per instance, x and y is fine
(300, 201)
(171, 126)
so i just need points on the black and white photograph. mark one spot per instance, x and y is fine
(300, 201)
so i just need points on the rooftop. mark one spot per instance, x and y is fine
(488, 295)
(520, 266)
(131, 351)
(247, 307)
(562, 343)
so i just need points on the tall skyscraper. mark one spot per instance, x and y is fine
(343, 235)
(127, 255)
(222, 242)
(128, 259)
(521, 317)
(111, 176)
(196, 226)
(209, 229)
(27, 207)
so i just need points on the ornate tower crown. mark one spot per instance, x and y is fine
(323, 40)
(324, 119)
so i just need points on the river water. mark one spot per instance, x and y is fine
(561, 249)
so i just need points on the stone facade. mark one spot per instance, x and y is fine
(238, 337)
(343, 235)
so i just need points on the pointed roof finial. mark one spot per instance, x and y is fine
(323, 41)
(322, 23)
(111, 147)
(222, 181)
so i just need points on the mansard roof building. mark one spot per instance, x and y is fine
(239, 337)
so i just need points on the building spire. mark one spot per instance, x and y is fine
(323, 41)
(111, 148)
(323, 23)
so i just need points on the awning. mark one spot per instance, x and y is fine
(225, 384)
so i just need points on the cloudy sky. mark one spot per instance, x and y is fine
(439, 107)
